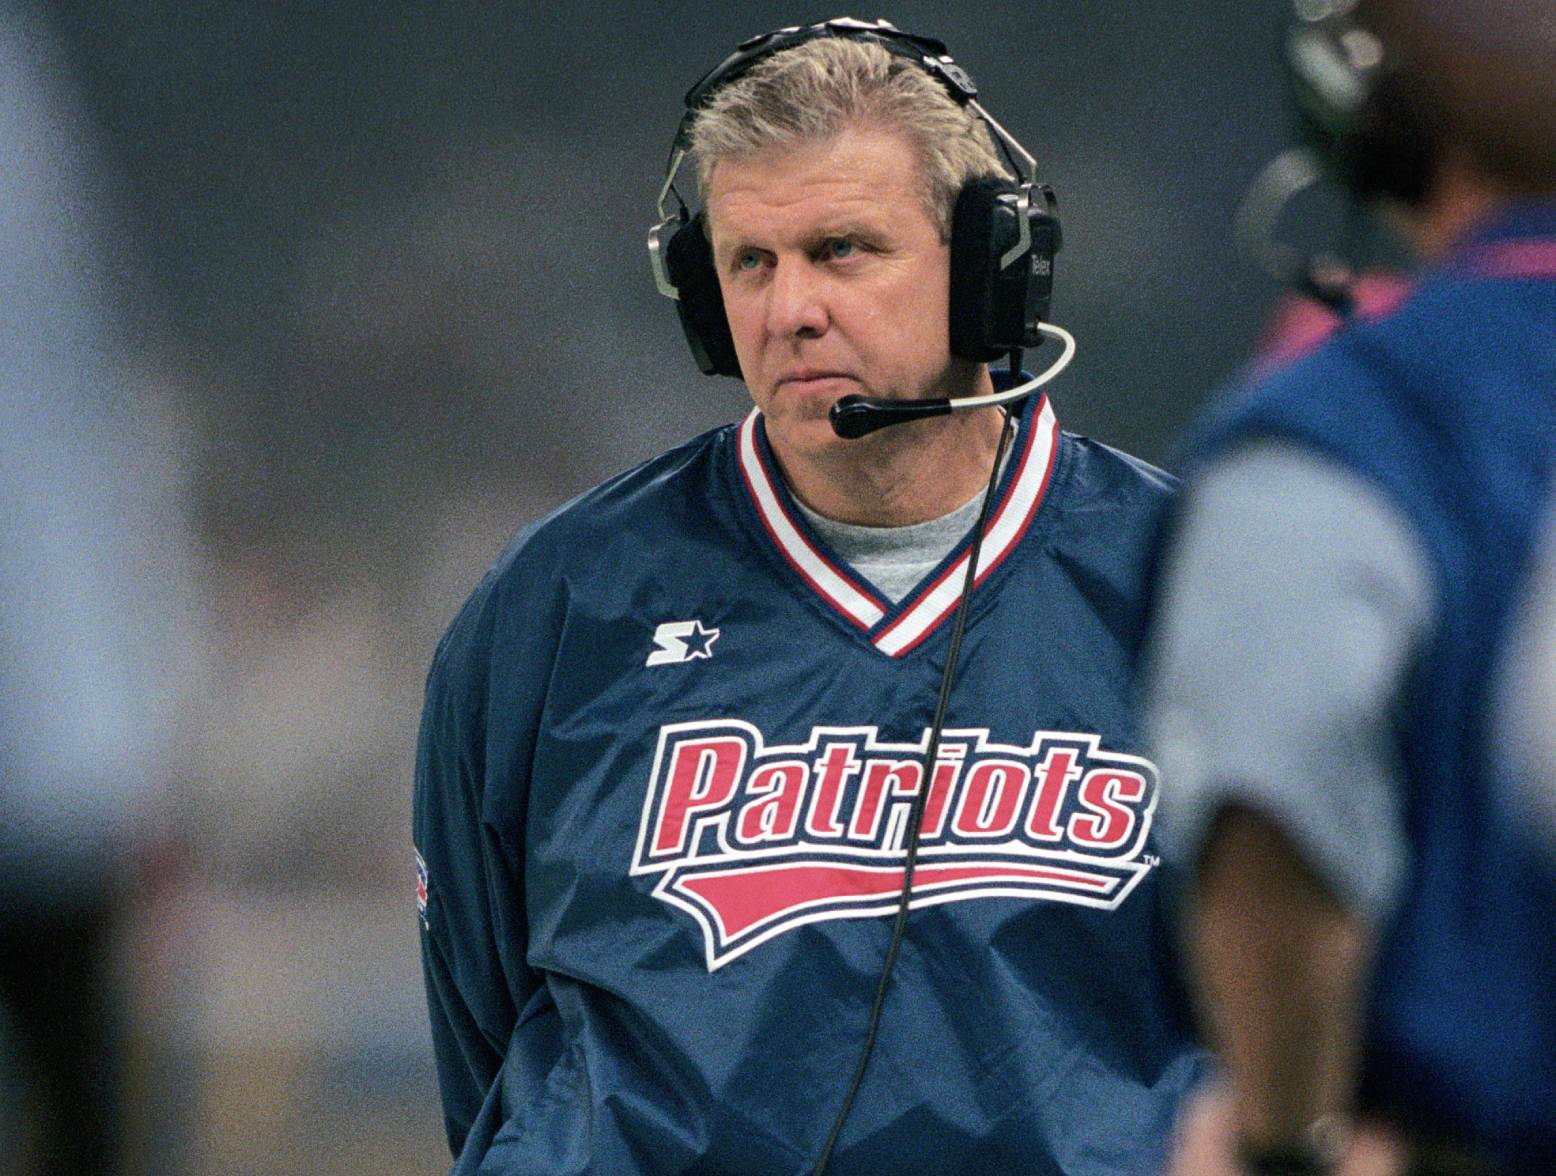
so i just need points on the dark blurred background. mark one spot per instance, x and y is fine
(372, 282)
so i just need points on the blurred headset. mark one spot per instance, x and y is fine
(1354, 101)
(1004, 233)
(1357, 122)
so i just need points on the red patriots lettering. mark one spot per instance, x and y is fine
(703, 776)
(752, 839)
(772, 817)
(948, 767)
(832, 773)
(900, 777)
(992, 798)
(1110, 796)
(1055, 774)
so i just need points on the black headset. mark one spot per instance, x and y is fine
(1360, 120)
(1355, 102)
(1004, 233)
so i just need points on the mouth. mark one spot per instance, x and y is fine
(813, 381)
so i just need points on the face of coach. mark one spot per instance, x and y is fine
(833, 258)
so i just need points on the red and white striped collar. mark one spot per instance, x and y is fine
(897, 630)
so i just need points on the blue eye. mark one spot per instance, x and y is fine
(841, 247)
(748, 260)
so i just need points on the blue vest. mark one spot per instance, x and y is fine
(1448, 406)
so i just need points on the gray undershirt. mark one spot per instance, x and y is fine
(896, 559)
(1292, 602)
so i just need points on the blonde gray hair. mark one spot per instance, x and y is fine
(809, 93)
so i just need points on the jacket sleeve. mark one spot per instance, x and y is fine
(470, 863)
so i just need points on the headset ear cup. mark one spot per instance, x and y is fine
(1383, 139)
(989, 305)
(689, 262)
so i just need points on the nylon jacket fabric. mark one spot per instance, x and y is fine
(664, 770)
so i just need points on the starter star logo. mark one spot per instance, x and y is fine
(753, 840)
(681, 641)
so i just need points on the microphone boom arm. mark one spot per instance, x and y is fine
(857, 416)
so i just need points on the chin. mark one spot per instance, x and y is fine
(808, 437)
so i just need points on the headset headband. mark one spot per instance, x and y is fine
(929, 53)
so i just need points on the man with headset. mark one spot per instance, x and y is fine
(1370, 926)
(703, 739)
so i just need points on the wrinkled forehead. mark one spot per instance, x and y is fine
(883, 162)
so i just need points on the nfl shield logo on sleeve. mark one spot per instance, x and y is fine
(421, 888)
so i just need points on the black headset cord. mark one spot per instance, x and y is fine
(920, 800)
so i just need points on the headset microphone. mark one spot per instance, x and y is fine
(857, 416)
(1322, 277)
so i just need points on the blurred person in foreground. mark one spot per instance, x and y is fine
(1527, 697)
(1371, 936)
(92, 561)
(669, 805)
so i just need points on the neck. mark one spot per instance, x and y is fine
(903, 474)
(1459, 198)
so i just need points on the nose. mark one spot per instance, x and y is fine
(796, 303)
